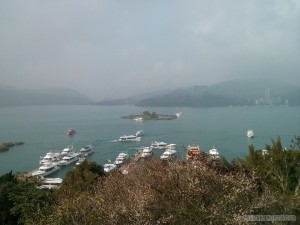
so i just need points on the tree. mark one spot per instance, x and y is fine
(295, 143)
(76, 202)
(21, 201)
(146, 113)
(155, 192)
(278, 167)
(182, 193)
(82, 177)
(7, 183)
(30, 202)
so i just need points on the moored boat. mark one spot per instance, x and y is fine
(157, 144)
(192, 153)
(168, 154)
(53, 157)
(86, 150)
(214, 153)
(147, 152)
(68, 159)
(51, 183)
(67, 150)
(109, 167)
(171, 146)
(121, 158)
(45, 169)
(81, 159)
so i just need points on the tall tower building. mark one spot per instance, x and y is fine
(267, 98)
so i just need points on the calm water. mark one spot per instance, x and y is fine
(43, 128)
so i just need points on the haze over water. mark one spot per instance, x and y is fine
(44, 128)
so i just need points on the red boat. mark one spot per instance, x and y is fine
(193, 153)
(71, 132)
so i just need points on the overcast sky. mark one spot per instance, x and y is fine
(119, 48)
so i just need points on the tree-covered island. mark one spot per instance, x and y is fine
(5, 146)
(146, 115)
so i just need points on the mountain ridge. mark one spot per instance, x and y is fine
(12, 96)
(238, 92)
(226, 93)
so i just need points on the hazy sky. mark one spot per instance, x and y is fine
(119, 48)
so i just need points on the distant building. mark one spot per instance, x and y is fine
(269, 100)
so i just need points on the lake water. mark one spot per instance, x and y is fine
(43, 128)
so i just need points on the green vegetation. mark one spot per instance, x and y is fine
(21, 202)
(150, 116)
(5, 146)
(277, 167)
(155, 192)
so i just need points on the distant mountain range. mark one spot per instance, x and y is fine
(227, 93)
(10, 96)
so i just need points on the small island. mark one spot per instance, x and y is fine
(150, 116)
(5, 146)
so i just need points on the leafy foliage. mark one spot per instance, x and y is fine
(30, 201)
(7, 182)
(277, 167)
(21, 201)
(81, 178)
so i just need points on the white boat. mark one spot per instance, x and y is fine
(178, 114)
(171, 146)
(147, 152)
(121, 158)
(157, 144)
(214, 153)
(53, 157)
(52, 180)
(81, 159)
(168, 154)
(139, 133)
(51, 183)
(264, 152)
(250, 133)
(68, 159)
(86, 150)
(129, 138)
(67, 150)
(45, 169)
(109, 167)
(138, 119)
